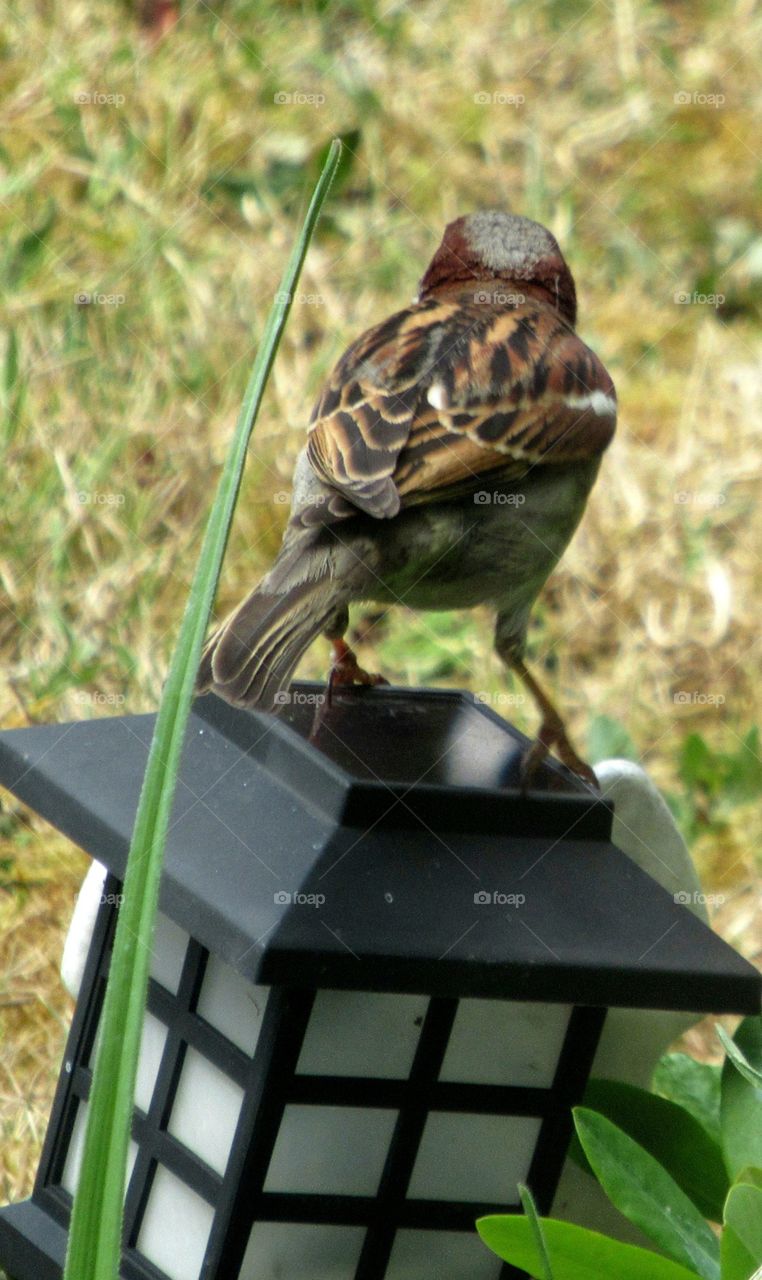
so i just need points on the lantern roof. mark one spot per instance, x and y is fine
(382, 842)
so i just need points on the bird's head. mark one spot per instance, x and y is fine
(492, 245)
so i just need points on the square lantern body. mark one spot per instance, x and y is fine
(378, 981)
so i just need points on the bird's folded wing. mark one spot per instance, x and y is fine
(444, 393)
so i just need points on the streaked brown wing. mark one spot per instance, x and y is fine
(365, 413)
(453, 392)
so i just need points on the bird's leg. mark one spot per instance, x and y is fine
(345, 669)
(551, 734)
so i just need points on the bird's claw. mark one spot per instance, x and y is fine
(346, 670)
(553, 735)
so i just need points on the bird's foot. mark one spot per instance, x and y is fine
(553, 736)
(346, 670)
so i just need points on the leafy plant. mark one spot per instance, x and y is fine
(715, 782)
(689, 1167)
(694, 1085)
(607, 738)
(674, 1137)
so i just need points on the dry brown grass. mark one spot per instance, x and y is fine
(132, 405)
(34, 1008)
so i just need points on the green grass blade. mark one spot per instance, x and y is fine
(95, 1236)
(533, 1218)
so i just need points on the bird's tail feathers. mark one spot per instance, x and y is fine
(250, 659)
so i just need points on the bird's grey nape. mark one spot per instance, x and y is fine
(505, 242)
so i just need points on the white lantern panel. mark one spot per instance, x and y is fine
(205, 1110)
(294, 1250)
(473, 1157)
(231, 1004)
(330, 1150)
(505, 1042)
(175, 1228)
(432, 1255)
(152, 1044)
(73, 1165)
(360, 1033)
(170, 944)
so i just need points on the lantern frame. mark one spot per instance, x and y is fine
(351, 802)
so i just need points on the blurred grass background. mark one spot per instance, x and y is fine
(153, 165)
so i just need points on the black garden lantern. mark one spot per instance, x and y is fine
(378, 982)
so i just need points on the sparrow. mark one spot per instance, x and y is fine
(448, 462)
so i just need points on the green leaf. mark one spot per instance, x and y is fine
(96, 1225)
(232, 184)
(741, 1102)
(735, 1260)
(11, 361)
(743, 1214)
(695, 1086)
(699, 766)
(607, 738)
(29, 250)
(671, 1135)
(739, 1060)
(734, 776)
(575, 1252)
(12, 390)
(533, 1218)
(646, 1194)
(744, 772)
